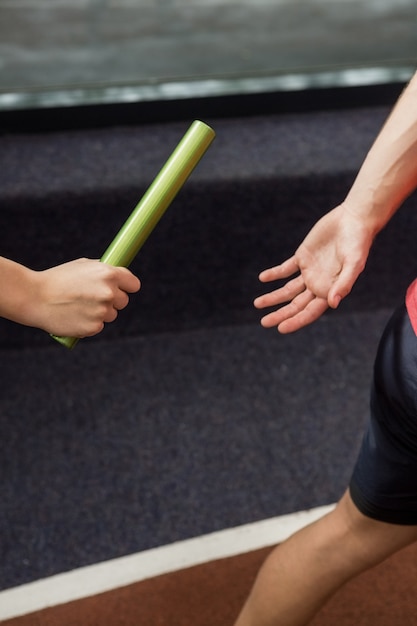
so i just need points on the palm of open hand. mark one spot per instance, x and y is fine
(322, 272)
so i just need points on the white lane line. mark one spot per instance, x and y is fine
(108, 575)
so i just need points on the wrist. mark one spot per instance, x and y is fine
(372, 215)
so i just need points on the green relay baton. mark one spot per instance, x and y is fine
(155, 201)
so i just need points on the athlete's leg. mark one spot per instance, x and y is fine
(374, 519)
(302, 573)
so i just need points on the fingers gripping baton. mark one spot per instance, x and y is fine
(156, 200)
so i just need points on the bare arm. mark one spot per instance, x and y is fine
(326, 265)
(73, 299)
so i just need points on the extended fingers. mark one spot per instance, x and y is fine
(313, 310)
(285, 270)
(293, 308)
(286, 293)
(304, 309)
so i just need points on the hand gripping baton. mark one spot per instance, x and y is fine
(156, 200)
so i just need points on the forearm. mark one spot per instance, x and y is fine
(389, 172)
(18, 291)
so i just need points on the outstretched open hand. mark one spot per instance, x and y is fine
(321, 273)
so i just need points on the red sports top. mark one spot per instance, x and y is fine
(411, 304)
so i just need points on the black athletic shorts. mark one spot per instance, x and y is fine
(384, 480)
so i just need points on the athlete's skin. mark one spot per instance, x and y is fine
(302, 573)
(74, 299)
